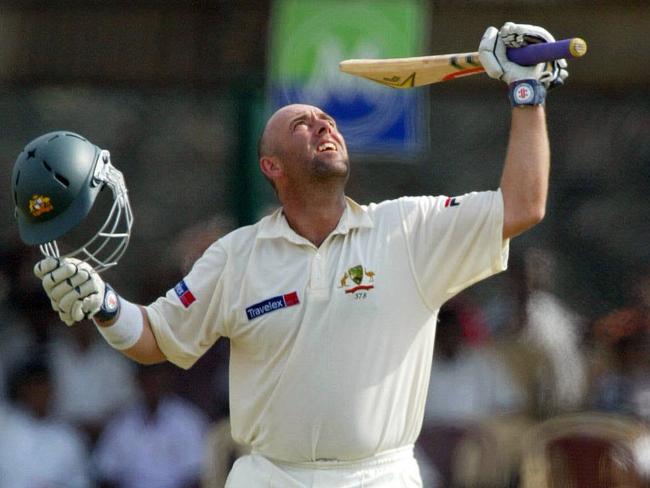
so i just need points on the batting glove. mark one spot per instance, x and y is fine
(74, 288)
(492, 53)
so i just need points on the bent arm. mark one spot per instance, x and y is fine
(524, 182)
(145, 350)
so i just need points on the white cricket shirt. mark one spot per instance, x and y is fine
(331, 347)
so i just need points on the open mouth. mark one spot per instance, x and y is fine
(327, 146)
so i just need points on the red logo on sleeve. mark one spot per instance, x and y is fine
(184, 294)
(452, 202)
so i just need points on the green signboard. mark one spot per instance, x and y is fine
(308, 39)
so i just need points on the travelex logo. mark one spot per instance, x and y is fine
(184, 294)
(271, 304)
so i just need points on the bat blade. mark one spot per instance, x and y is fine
(415, 71)
(425, 70)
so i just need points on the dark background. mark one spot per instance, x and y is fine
(171, 87)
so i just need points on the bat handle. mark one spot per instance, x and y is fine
(547, 51)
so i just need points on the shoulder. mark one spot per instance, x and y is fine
(403, 210)
(470, 202)
(388, 207)
(408, 202)
(241, 233)
(403, 207)
(241, 237)
(233, 243)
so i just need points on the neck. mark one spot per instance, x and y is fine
(314, 216)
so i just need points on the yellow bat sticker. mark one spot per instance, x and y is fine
(40, 204)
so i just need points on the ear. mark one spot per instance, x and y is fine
(270, 166)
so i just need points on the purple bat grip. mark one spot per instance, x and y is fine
(539, 53)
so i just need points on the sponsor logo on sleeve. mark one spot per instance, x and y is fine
(272, 304)
(452, 202)
(184, 294)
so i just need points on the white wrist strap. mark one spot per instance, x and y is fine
(127, 329)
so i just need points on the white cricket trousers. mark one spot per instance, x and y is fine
(391, 469)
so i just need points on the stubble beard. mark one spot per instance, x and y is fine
(325, 170)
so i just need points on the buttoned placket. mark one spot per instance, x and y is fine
(318, 282)
(319, 287)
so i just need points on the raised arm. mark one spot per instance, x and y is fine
(524, 182)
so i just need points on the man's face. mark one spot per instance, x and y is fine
(309, 144)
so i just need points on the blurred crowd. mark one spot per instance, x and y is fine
(523, 389)
(526, 392)
(527, 388)
(75, 413)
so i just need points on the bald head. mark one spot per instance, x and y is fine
(268, 143)
(301, 144)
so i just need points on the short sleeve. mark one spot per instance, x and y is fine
(454, 242)
(187, 321)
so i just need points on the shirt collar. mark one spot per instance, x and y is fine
(275, 225)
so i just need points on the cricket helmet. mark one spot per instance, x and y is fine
(56, 180)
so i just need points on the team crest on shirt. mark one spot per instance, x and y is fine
(357, 281)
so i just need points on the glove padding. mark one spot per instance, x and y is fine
(75, 289)
(492, 53)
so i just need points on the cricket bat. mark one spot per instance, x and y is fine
(425, 70)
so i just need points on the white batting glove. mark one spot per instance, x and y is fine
(75, 289)
(492, 53)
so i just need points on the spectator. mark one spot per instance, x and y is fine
(91, 380)
(541, 340)
(553, 327)
(639, 289)
(21, 305)
(157, 443)
(466, 382)
(469, 386)
(37, 450)
(622, 346)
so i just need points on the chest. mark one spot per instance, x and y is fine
(347, 288)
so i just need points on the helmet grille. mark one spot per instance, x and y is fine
(109, 243)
